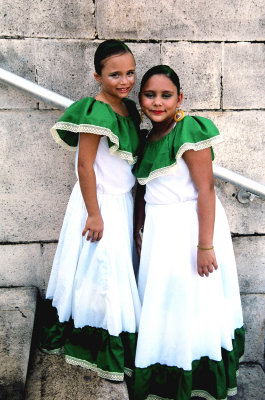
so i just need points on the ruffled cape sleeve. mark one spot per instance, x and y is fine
(192, 133)
(92, 116)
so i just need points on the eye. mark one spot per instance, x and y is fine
(149, 95)
(114, 75)
(166, 95)
(130, 73)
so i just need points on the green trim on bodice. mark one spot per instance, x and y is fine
(92, 116)
(191, 133)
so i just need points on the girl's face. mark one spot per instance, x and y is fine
(117, 75)
(159, 99)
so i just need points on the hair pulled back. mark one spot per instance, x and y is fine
(161, 70)
(107, 49)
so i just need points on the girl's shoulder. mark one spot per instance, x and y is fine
(98, 112)
(86, 110)
(191, 133)
(89, 115)
(196, 130)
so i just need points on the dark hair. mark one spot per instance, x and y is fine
(161, 70)
(106, 49)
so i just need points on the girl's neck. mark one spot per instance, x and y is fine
(160, 129)
(115, 103)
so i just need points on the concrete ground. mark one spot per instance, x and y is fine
(17, 310)
(49, 377)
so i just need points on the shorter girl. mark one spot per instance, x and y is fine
(191, 333)
(93, 304)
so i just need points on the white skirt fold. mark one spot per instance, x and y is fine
(94, 283)
(184, 316)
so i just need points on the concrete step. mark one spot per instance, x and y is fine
(251, 383)
(51, 378)
(17, 311)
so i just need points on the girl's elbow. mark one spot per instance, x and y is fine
(207, 190)
(84, 168)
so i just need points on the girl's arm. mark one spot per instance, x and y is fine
(200, 167)
(139, 215)
(88, 146)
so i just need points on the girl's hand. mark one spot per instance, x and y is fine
(138, 243)
(94, 227)
(138, 238)
(206, 262)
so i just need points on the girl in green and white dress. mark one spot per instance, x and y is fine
(93, 306)
(191, 333)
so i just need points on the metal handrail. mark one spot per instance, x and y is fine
(62, 102)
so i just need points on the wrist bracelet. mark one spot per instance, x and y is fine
(205, 248)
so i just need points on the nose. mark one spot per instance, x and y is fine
(124, 79)
(157, 101)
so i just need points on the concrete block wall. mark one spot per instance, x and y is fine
(218, 51)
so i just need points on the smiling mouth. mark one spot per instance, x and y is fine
(157, 112)
(123, 90)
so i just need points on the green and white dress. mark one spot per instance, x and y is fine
(93, 308)
(191, 333)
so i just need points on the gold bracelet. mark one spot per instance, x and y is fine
(205, 248)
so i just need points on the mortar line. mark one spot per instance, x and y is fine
(256, 234)
(41, 242)
(95, 18)
(224, 110)
(221, 78)
(129, 40)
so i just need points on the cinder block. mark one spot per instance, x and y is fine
(21, 265)
(47, 372)
(17, 310)
(199, 68)
(146, 56)
(251, 383)
(17, 56)
(243, 218)
(171, 20)
(66, 67)
(242, 151)
(250, 258)
(50, 18)
(37, 177)
(254, 320)
(243, 76)
(48, 252)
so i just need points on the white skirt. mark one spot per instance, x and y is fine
(94, 283)
(184, 316)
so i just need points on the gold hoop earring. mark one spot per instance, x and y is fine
(141, 116)
(179, 115)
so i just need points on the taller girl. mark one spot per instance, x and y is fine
(191, 333)
(95, 306)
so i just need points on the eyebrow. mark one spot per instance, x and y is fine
(117, 71)
(153, 91)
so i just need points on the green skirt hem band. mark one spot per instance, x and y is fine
(196, 393)
(113, 376)
(111, 357)
(208, 379)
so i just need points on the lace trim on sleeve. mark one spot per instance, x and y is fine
(93, 129)
(186, 146)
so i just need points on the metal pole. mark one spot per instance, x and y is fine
(63, 102)
(239, 180)
(35, 90)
